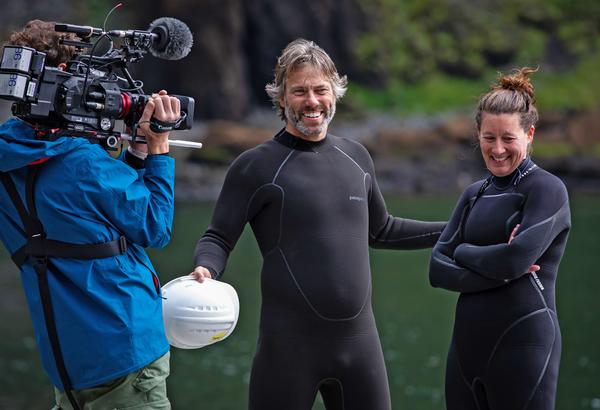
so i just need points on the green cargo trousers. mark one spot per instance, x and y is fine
(145, 389)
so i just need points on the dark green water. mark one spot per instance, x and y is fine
(414, 321)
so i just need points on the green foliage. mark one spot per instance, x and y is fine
(573, 89)
(428, 43)
(96, 11)
(543, 149)
(531, 51)
(577, 88)
(438, 93)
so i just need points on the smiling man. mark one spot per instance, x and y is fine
(314, 206)
(309, 103)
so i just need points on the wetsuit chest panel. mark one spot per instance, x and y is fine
(492, 218)
(324, 231)
(323, 191)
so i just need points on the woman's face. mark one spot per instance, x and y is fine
(503, 142)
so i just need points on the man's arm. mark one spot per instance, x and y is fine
(229, 218)
(389, 232)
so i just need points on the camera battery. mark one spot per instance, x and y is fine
(16, 58)
(15, 86)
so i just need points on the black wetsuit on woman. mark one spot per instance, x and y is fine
(506, 345)
(314, 208)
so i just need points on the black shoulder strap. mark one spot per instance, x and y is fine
(36, 235)
(38, 249)
(37, 243)
(60, 249)
(9, 185)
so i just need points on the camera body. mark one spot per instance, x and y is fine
(88, 98)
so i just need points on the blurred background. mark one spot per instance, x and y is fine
(416, 69)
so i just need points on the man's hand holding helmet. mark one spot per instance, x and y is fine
(200, 273)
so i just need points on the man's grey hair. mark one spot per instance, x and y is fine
(296, 54)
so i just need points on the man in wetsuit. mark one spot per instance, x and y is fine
(314, 206)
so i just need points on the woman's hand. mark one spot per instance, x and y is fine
(532, 268)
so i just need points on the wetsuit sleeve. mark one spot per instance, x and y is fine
(444, 271)
(389, 232)
(545, 215)
(139, 204)
(229, 218)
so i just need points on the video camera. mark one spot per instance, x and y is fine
(94, 92)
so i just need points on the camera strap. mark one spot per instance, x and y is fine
(38, 249)
(164, 126)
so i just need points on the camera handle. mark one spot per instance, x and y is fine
(175, 143)
(110, 141)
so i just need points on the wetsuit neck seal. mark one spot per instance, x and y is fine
(513, 179)
(291, 141)
(524, 168)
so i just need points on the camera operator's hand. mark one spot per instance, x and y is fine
(163, 108)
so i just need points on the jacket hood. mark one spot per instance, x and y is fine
(19, 146)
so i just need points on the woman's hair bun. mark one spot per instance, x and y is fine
(517, 81)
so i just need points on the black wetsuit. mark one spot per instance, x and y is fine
(314, 208)
(506, 344)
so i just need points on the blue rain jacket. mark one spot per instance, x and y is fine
(108, 311)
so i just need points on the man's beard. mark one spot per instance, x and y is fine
(296, 119)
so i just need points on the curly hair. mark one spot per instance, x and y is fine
(296, 54)
(512, 93)
(41, 36)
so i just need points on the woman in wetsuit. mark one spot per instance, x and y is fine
(501, 250)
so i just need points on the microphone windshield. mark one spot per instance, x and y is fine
(174, 39)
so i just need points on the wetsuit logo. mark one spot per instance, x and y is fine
(537, 280)
(356, 198)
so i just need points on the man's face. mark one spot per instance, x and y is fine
(309, 103)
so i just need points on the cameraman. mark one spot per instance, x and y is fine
(106, 311)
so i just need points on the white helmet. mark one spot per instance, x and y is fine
(198, 314)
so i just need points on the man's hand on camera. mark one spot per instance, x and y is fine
(163, 108)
